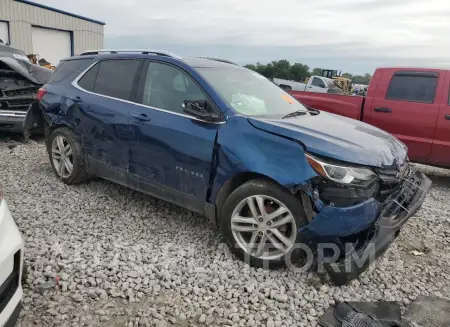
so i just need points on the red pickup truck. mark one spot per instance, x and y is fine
(412, 104)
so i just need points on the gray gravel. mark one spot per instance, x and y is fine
(99, 254)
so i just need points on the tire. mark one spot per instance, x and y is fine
(78, 173)
(273, 194)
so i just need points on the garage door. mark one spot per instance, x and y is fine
(4, 32)
(50, 44)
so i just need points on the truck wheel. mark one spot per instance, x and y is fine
(66, 157)
(260, 220)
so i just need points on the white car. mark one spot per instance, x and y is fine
(317, 84)
(11, 263)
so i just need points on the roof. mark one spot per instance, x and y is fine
(195, 62)
(60, 11)
(198, 62)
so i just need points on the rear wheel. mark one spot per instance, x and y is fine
(66, 156)
(260, 220)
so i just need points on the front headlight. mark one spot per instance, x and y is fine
(341, 174)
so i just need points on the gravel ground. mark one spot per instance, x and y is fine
(99, 254)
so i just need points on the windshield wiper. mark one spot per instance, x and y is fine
(294, 114)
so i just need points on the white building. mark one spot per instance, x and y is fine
(50, 33)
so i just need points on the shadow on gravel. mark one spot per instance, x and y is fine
(440, 179)
(439, 176)
(181, 217)
(6, 137)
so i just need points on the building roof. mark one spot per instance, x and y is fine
(60, 11)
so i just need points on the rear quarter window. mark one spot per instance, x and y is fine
(413, 87)
(68, 68)
(87, 82)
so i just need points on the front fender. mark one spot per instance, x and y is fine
(243, 148)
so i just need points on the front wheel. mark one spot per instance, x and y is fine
(260, 220)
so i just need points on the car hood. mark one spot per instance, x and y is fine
(34, 73)
(339, 138)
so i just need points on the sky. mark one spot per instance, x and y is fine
(354, 36)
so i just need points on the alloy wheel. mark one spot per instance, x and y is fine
(62, 155)
(263, 227)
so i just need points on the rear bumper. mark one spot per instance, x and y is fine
(385, 230)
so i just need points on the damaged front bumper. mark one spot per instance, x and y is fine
(364, 232)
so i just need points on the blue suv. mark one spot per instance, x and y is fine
(278, 178)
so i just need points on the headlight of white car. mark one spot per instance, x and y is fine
(341, 174)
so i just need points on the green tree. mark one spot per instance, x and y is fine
(359, 79)
(252, 67)
(347, 75)
(281, 68)
(299, 72)
(316, 71)
(267, 70)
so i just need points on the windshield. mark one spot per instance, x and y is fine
(250, 93)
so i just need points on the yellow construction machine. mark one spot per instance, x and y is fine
(344, 83)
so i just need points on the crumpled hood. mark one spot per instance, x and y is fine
(339, 138)
(34, 73)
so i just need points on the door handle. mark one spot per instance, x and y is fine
(142, 117)
(76, 99)
(447, 117)
(382, 109)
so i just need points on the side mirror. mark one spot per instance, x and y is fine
(200, 109)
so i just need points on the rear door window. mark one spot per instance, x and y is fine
(413, 86)
(115, 78)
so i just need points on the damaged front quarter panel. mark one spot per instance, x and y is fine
(243, 149)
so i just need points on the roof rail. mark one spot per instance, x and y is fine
(143, 51)
(220, 59)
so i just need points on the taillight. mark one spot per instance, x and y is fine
(40, 94)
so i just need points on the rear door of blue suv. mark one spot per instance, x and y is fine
(89, 115)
